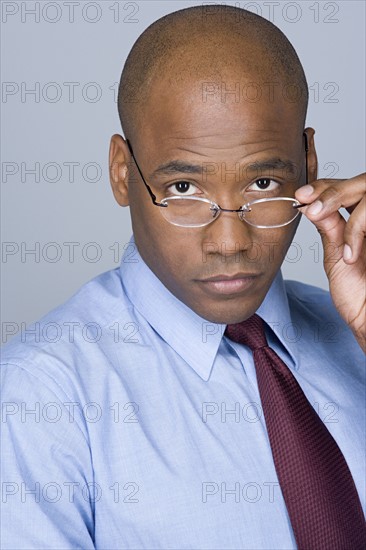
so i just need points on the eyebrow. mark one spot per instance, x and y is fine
(178, 167)
(182, 167)
(274, 164)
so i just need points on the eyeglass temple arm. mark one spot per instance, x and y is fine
(306, 166)
(153, 197)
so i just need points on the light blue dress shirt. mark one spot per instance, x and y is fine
(129, 422)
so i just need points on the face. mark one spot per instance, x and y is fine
(221, 271)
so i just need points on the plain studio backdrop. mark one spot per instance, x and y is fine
(61, 64)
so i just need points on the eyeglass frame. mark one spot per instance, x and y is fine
(219, 209)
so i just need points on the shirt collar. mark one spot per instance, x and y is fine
(177, 324)
(275, 311)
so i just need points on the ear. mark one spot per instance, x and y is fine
(312, 156)
(119, 159)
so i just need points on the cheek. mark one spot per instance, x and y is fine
(270, 246)
(169, 251)
(283, 240)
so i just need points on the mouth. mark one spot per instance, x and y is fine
(229, 284)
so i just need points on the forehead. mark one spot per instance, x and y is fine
(220, 116)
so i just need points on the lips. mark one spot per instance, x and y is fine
(224, 277)
(229, 284)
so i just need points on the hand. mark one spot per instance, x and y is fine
(343, 242)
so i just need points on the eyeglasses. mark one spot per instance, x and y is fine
(192, 211)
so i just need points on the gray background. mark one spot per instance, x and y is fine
(53, 46)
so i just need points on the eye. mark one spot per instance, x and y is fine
(182, 188)
(264, 184)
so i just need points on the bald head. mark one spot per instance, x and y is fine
(211, 44)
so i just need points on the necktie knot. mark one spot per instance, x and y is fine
(249, 332)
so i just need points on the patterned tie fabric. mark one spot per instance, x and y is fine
(318, 488)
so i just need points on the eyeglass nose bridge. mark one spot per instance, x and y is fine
(217, 209)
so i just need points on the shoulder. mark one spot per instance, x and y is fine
(309, 296)
(313, 310)
(70, 341)
(96, 302)
(312, 304)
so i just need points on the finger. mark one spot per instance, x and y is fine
(354, 233)
(326, 196)
(331, 230)
(323, 199)
(309, 193)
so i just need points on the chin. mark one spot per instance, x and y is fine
(229, 316)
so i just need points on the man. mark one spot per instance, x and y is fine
(150, 429)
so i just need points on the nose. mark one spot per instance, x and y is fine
(228, 236)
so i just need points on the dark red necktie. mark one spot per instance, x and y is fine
(318, 488)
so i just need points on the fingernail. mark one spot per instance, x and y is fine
(347, 252)
(306, 191)
(315, 208)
